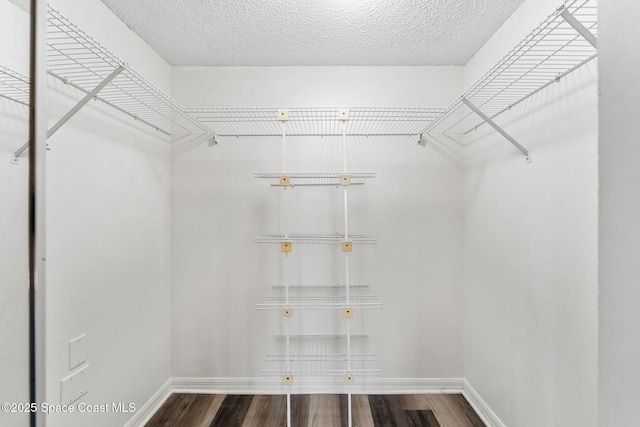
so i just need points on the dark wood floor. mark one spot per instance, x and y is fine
(317, 410)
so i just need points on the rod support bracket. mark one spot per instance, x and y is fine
(579, 27)
(88, 97)
(496, 127)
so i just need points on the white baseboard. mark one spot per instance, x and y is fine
(317, 385)
(480, 406)
(145, 413)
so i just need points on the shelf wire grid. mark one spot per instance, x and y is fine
(14, 86)
(315, 238)
(314, 179)
(317, 121)
(80, 61)
(321, 355)
(319, 298)
(550, 52)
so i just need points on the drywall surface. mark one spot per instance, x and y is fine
(530, 287)
(14, 264)
(619, 213)
(316, 86)
(108, 258)
(413, 207)
(108, 269)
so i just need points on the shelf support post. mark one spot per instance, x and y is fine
(497, 128)
(88, 97)
(283, 118)
(577, 25)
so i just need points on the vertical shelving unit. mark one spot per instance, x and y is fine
(318, 355)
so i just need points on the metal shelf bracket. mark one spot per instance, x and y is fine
(88, 97)
(497, 128)
(577, 25)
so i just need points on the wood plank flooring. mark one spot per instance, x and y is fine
(316, 410)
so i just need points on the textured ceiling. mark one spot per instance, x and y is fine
(314, 32)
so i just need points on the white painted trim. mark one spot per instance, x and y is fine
(480, 406)
(317, 385)
(147, 410)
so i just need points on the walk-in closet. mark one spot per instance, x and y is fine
(353, 213)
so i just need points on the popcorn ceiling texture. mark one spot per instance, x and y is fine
(314, 32)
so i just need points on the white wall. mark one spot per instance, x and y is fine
(108, 237)
(619, 213)
(530, 292)
(316, 86)
(108, 273)
(14, 285)
(108, 258)
(413, 207)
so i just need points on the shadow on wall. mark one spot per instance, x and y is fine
(449, 147)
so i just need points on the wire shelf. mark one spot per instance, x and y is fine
(80, 61)
(14, 86)
(314, 179)
(319, 298)
(321, 355)
(315, 238)
(317, 121)
(553, 50)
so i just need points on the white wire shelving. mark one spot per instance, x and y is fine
(315, 238)
(14, 86)
(325, 355)
(554, 49)
(315, 179)
(550, 52)
(81, 62)
(318, 298)
(317, 121)
(321, 355)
